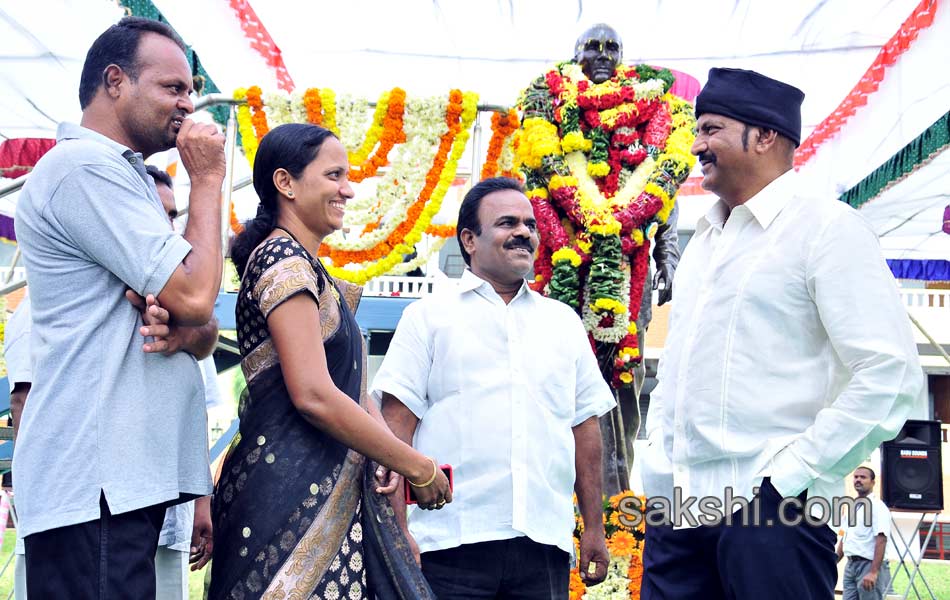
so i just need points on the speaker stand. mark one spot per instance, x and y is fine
(905, 552)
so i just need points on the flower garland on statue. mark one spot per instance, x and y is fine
(625, 546)
(602, 164)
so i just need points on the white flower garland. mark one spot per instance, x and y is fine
(423, 257)
(277, 108)
(353, 119)
(616, 585)
(400, 187)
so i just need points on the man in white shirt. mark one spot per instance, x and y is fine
(789, 358)
(866, 576)
(502, 382)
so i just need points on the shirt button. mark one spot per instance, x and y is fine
(133, 160)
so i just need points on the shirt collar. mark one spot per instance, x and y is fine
(71, 131)
(764, 206)
(472, 282)
(769, 202)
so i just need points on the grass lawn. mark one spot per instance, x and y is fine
(936, 572)
(195, 580)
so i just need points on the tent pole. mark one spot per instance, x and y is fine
(932, 341)
(476, 149)
(13, 264)
(230, 142)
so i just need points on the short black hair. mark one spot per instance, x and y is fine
(159, 176)
(292, 147)
(869, 470)
(468, 212)
(118, 45)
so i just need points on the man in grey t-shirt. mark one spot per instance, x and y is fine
(113, 435)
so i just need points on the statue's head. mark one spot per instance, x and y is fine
(598, 51)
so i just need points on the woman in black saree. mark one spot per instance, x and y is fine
(297, 510)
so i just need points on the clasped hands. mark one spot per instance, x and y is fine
(166, 338)
(431, 495)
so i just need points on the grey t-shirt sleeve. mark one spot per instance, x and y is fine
(106, 213)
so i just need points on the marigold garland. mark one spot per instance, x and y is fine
(460, 114)
(388, 230)
(503, 125)
(387, 130)
(602, 163)
(245, 127)
(328, 102)
(380, 241)
(259, 118)
(625, 545)
(314, 106)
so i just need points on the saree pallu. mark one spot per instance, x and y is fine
(295, 512)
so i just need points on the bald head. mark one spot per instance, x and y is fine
(598, 51)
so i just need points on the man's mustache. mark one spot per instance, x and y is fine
(519, 243)
(707, 157)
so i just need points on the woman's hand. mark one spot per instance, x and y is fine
(387, 481)
(435, 494)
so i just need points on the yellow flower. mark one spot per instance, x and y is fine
(632, 328)
(609, 304)
(540, 139)
(626, 377)
(566, 254)
(559, 181)
(575, 140)
(631, 352)
(610, 227)
(598, 169)
(328, 102)
(540, 193)
(246, 127)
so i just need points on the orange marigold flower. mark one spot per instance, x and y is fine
(622, 543)
(577, 588)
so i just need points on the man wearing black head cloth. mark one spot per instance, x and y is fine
(789, 359)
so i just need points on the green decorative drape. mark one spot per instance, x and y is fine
(934, 140)
(145, 8)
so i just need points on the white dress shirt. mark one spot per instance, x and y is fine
(497, 388)
(861, 539)
(789, 352)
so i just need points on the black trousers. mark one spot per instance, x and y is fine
(517, 568)
(736, 562)
(111, 558)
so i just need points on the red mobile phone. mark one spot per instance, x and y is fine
(411, 492)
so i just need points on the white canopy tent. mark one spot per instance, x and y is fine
(363, 47)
